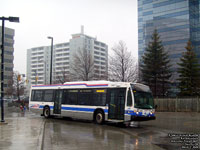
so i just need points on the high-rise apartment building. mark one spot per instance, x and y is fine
(61, 68)
(38, 62)
(38, 59)
(97, 49)
(176, 21)
(8, 55)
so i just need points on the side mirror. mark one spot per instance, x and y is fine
(156, 106)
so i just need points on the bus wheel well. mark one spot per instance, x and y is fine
(98, 110)
(46, 106)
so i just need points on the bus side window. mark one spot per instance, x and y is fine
(48, 95)
(32, 95)
(38, 95)
(84, 97)
(70, 97)
(99, 97)
(129, 98)
(65, 97)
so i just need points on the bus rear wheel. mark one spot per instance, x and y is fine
(99, 117)
(46, 112)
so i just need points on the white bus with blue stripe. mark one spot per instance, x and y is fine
(94, 100)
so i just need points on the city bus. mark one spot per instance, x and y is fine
(100, 101)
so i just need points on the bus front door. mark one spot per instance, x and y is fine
(57, 102)
(116, 104)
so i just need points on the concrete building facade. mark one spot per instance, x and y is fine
(8, 55)
(97, 49)
(38, 59)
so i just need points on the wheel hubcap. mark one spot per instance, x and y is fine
(99, 118)
(46, 112)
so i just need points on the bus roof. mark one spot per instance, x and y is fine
(140, 87)
(85, 84)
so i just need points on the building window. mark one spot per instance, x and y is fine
(66, 44)
(96, 52)
(103, 45)
(8, 60)
(103, 50)
(96, 48)
(95, 42)
(59, 45)
(95, 57)
(8, 69)
(8, 44)
(102, 54)
(8, 52)
(8, 36)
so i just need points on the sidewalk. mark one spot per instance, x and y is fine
(23, 131)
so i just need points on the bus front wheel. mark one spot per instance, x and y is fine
(46, 112)
(99, 117)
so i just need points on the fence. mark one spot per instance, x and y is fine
(178, 104)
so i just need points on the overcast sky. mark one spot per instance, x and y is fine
(108, 20)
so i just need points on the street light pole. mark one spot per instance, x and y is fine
(2, 73)
(11, 19)
(49, 37)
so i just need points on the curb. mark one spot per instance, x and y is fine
(40, 144)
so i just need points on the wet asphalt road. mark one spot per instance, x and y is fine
(28, 131)
(64, 134)
(152, 135)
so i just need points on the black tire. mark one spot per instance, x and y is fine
(99, 117)
(46, 112)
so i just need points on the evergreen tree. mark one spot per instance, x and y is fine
(189, 73)
(155, 67)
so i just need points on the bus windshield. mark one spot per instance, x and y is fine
(143, 100)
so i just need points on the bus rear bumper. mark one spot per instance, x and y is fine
(142, 118)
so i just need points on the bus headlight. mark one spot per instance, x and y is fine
(152, 112)
(137, 112)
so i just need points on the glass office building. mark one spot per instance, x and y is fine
(176, 21)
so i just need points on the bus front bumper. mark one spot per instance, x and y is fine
(142, 118)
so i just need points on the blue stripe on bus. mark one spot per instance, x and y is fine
(127, 112)
(87, 85)
(76, 109)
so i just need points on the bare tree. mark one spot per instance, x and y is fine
(18, 84)
(63, 76)
(82, 66)
(122, 66)
(10, 90)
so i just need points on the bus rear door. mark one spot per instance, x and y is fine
(116, 104)
(57, 102)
